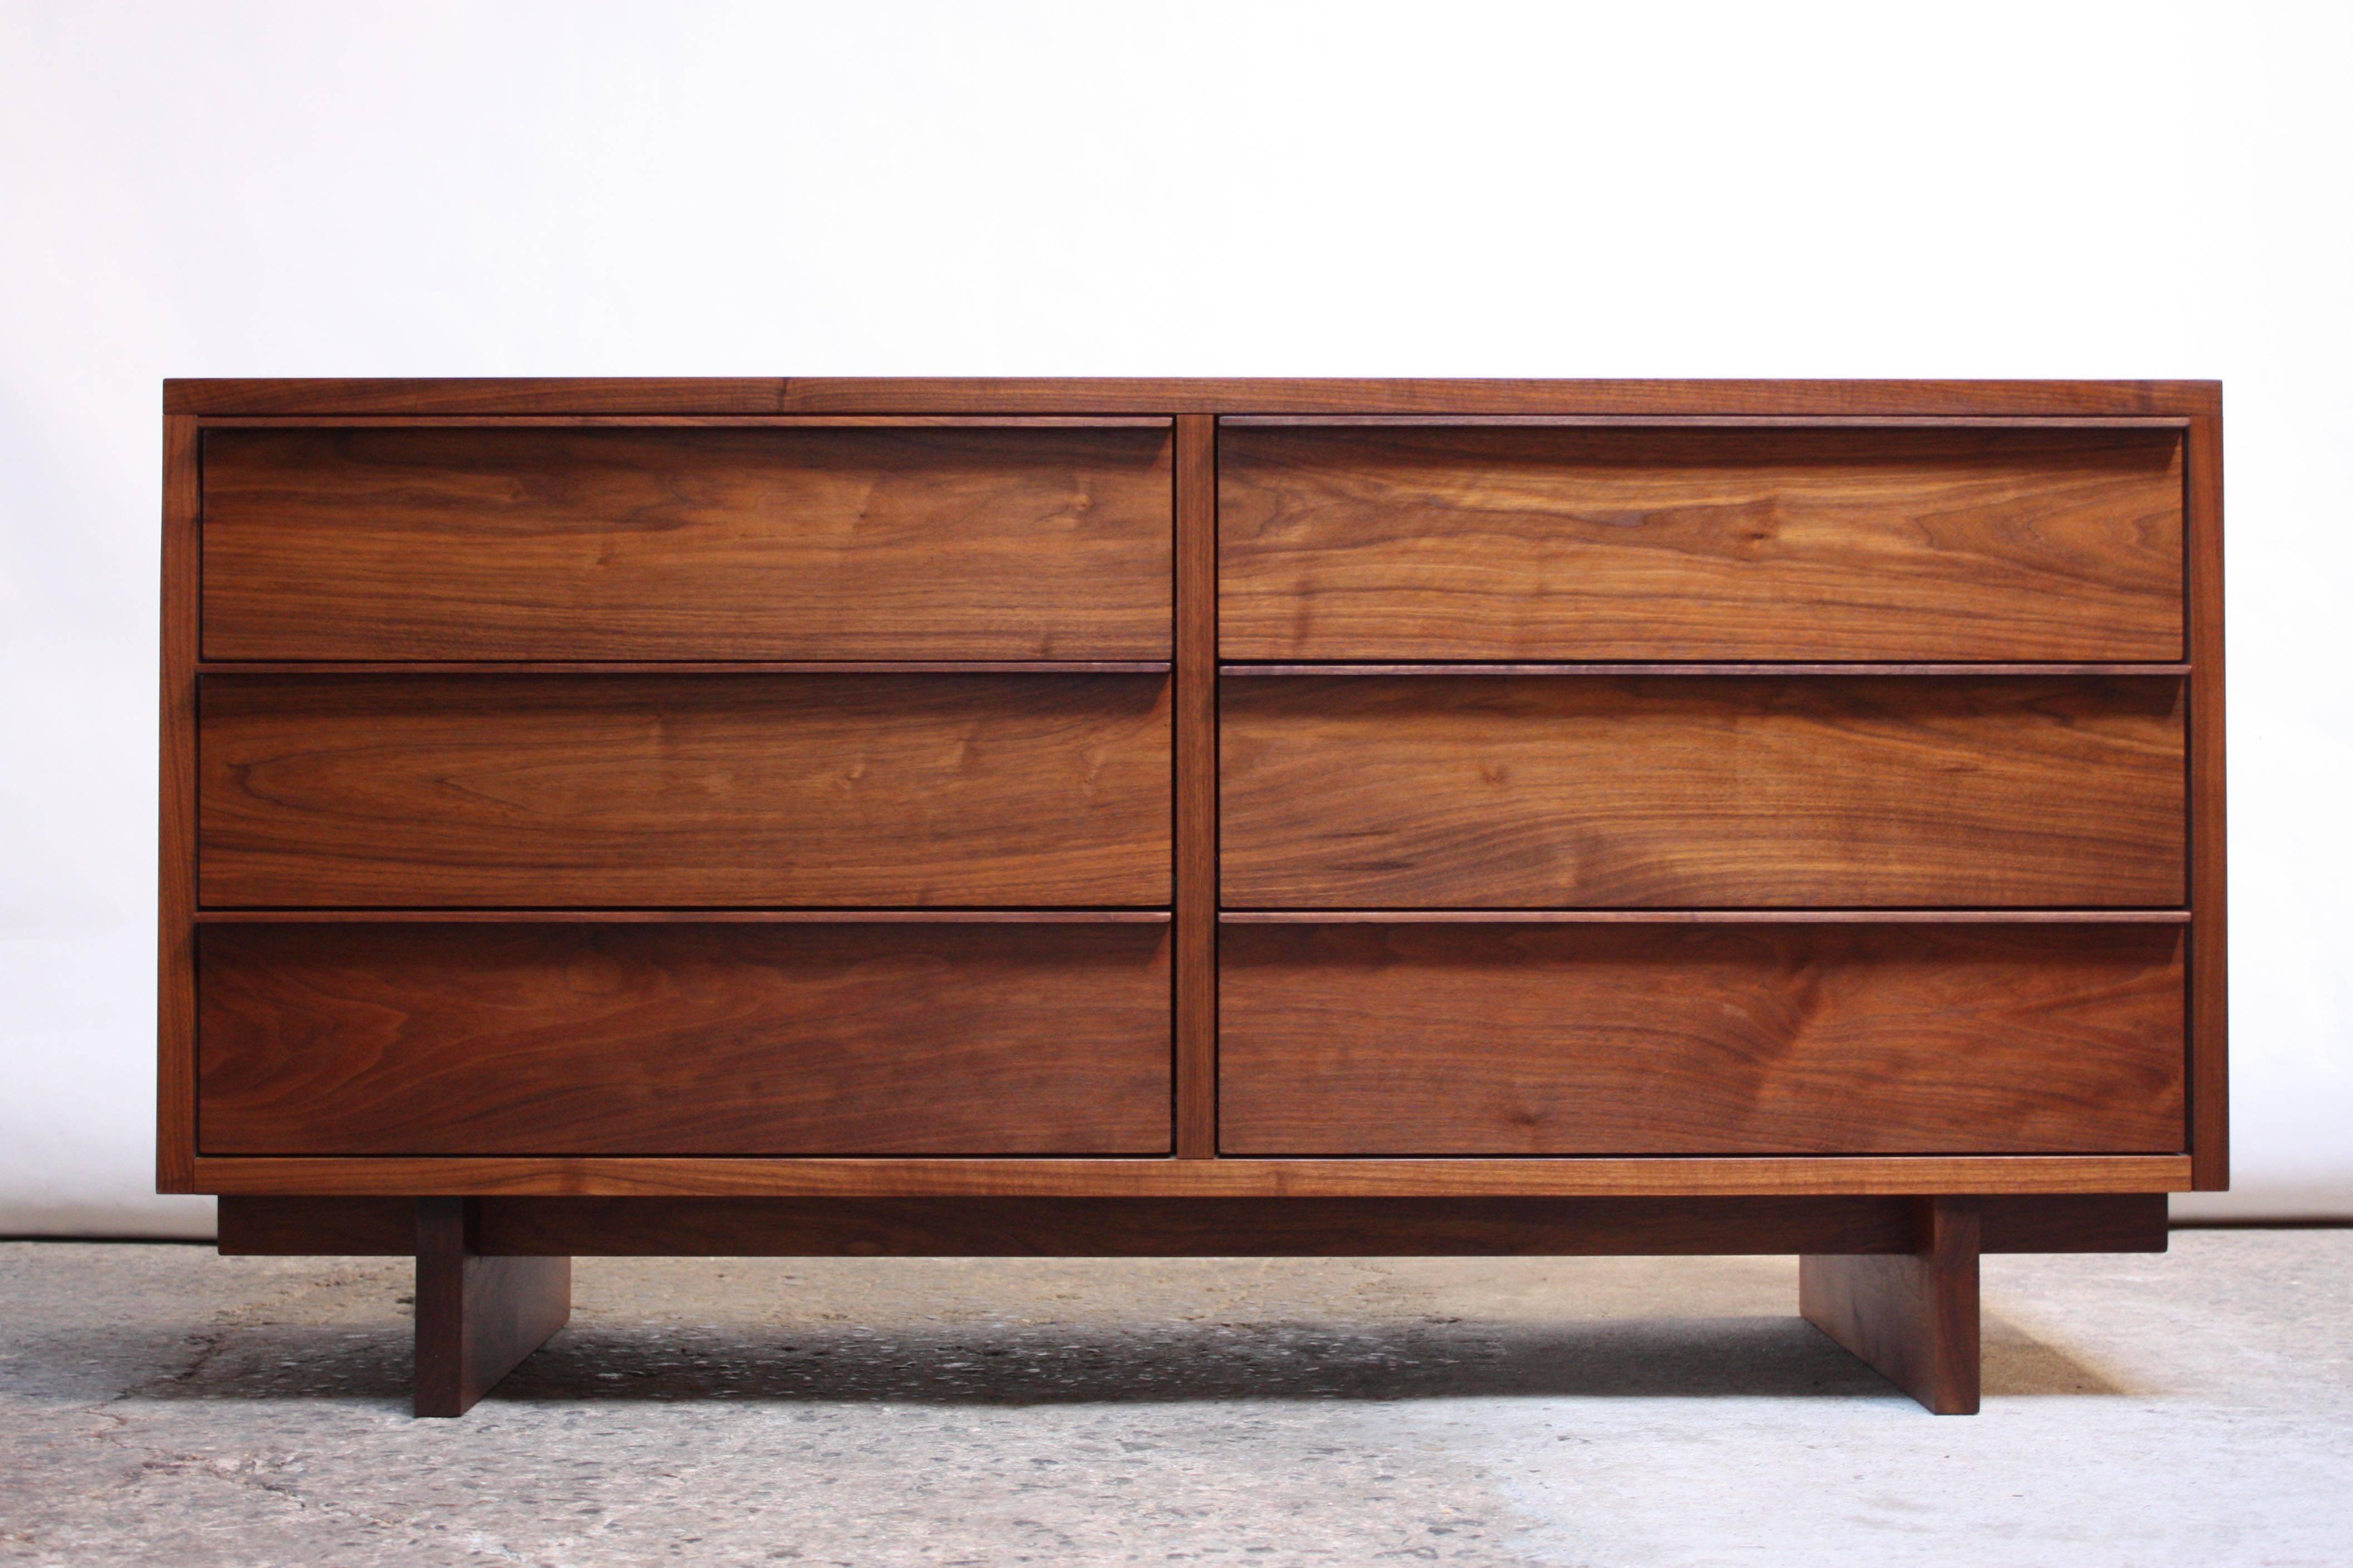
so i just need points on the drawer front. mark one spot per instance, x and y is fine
(1785, 1039)
(1489, 792)
(683, 1039)
(1437, 543)
(492, 791)
(825, 543)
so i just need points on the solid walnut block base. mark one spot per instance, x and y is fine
(1915, 1318)
(1893, 1279)
(476, 1317)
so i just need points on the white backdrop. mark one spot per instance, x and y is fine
(1435, 189)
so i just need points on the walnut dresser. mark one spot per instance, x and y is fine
(1150, 816)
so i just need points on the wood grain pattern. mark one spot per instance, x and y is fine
(753, 422)
(1618, 669)
(1601, 1176)
(1677, 917)
(679, 1039)
(684, 917)
(1784, 399)
(1181, 1227)
(693, 666)
(1530, 543)
(1780, 410)
(1792, 422)
(476, 1317)
(718, 790)
(1477, 791)
(2209, 1002)
(1196, 787)
(778, 543)
(1912, 1318)
(305, 1227)
(1303, 1227)
(1197, 1227)
(2139, 1222)
(175, 965)
(1429, 1040)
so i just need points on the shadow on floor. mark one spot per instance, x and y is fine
(1681, 1357)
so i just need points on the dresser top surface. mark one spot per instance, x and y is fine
(329, 397)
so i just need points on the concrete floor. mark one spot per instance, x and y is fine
(160, 1404)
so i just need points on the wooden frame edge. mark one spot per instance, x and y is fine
(1183, 1227)
(1730, 917)
(1080, 395)
(2209, 1005)
(1194, 1017)
(621, 1176)
(913, 421)
(175, 972)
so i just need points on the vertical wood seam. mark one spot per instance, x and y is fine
(1195, 738)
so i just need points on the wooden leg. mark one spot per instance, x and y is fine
(476, 1317)
(1914, 1318)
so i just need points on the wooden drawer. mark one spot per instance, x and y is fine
(1700, 1040)
(683, 1039)
(718, 790)
(1438, 542)
(861, 541)
(1429, 791)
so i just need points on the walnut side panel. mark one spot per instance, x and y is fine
(2210, 1026)
(1780, 1039)
(746, 790)
(1661, 791)
(176, 967)
(681, 1039)
(778, 543)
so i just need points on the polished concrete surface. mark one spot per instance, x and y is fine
(159, 1404)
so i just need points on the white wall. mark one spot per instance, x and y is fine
(526, 188)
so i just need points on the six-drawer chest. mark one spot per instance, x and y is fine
(1192, 817)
